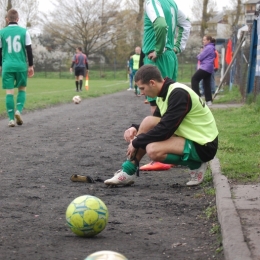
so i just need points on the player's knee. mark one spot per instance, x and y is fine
(152, 151)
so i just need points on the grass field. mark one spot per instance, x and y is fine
(42, 93)
(239, 138)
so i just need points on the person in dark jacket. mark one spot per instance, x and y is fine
(206, 59)
(181, 131)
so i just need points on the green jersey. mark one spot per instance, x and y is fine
(13, 41)
(159, 35)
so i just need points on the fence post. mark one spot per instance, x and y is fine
(252, 59)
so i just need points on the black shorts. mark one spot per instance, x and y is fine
(79, 71)
(207, 151)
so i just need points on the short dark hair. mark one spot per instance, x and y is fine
(79, 48)
(148, 72)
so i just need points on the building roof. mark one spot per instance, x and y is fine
(251, 2)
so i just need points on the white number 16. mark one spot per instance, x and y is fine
(14, 45)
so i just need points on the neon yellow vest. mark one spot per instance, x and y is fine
(199, 124)
(136, 58)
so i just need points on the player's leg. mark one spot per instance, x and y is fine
(179, 151)
(126, 176)
(136, 89)
(81, 74)
(167, 63)
(130, 81)
(21, 83)
(77, 78)
(8, 79)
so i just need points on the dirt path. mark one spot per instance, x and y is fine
(148, 221)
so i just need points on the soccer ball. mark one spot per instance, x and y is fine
(106, 255)
(87, 216)
(76, 99)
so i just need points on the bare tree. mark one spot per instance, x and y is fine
(30, 12)
(237, 6)
(203, 10)
(27, 9)
(96, 29)
(141, 11)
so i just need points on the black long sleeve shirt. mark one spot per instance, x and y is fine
(179, 105)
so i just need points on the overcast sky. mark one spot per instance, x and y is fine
(184, 5)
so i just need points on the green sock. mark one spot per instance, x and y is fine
(129, 167)
(176, 159)
(21, 97)
(9, 101)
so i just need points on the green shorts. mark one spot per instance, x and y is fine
(189, 152)
(167, 63)
(11, 80)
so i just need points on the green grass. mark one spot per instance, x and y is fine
(239, 138)
(228, 96)
(42, 93)
(117, 74)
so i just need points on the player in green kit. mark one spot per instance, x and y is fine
(162, 20)
(135, 66)
(15, 43)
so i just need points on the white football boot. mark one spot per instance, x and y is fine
(11, 123)
(120, 178)
(18, 118)
(197, 176)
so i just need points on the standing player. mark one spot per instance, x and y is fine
(161, 20)
(134, 61)
(15, 42)
(80, 62)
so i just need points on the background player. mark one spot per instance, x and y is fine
(15, 42)
(79, 63)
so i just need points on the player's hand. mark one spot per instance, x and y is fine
(30, 71)
(152, 56)
(130, 134)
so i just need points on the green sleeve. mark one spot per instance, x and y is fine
(160, 29)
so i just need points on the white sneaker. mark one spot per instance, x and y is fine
(11, 123)
(120, 178)
(18, 118)
(129, 89)
(197, 176)
(209, 103)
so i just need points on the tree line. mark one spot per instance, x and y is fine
(107, 31)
